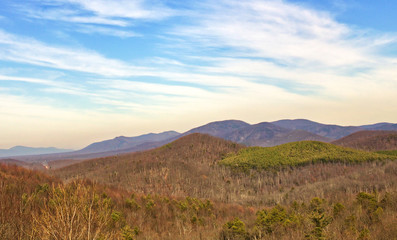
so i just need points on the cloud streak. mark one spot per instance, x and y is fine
(125, 9)
(106, 31)
(27, 50)
(284, 32)
(113, 13)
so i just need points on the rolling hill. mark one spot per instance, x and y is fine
(370, 140)
(185, 165)
(10, 161)
(297, 154)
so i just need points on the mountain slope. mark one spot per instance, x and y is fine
(370, 140)
(122, 142)
(324, 130)
(257, 134)
(23, 151)
(381, 126)
(10, 161)
(267, 134)
(185, 165)
(298, 153)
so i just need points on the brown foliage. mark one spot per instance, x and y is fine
(46, 209)
(15, 184)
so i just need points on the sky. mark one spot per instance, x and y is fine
(77, 71)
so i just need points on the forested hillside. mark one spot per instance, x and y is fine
(298, 154)
(370, 140)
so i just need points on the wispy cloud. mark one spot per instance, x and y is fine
(27, 50)
(151, 88)
(117, 13)
(125, 9)
(284, 32)
(106, 31)
(36, 81)
(284, 44)
(22, 49)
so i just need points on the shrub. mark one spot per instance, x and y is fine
(234, 230)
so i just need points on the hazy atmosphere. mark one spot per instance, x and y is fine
(77, 71)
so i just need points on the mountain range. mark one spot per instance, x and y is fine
(263, 134)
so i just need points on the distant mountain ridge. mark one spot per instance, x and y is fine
(381, 126)
(23, 151)
(330, 130)
(120, 143)
(324, 130)
(266, 134)
(263, 134)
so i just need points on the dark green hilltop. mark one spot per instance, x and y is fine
(299, 153)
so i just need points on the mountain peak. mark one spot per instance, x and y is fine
(219, 128)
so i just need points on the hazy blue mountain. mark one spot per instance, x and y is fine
(324, 130)
(122, 142)
(261, 134)
(23, 151)
(266, 134)
(219, 128)
(380, 126)
(251, 134)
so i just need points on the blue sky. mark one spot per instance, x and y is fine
(77, 71)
